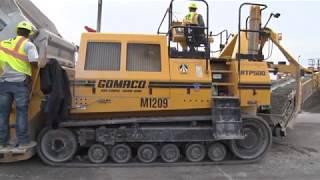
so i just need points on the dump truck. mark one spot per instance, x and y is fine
(157, 98)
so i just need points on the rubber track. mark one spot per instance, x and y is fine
(83, 163)
(155, 164)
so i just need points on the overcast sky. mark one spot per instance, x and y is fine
(299, 21)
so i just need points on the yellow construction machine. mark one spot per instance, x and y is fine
(144, 98)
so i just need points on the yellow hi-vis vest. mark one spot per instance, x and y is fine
(12, 52)
(191, 18)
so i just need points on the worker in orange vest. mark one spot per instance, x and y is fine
(16, 56)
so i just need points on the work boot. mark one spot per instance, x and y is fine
(27, 146)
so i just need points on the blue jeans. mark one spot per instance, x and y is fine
(18, 92)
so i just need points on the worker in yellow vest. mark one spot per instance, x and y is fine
(16, 56)
(193, 18)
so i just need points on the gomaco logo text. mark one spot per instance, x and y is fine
(121, 84)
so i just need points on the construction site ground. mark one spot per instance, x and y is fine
(294, 157)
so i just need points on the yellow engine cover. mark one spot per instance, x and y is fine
(254, 84)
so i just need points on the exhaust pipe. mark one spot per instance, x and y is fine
(99, 15)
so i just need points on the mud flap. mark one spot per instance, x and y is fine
(226, 118)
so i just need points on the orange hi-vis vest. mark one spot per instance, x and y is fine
(12, 52)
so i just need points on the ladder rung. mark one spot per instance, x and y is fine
(233, 108)
(225, 97)
(223, 84)
(221, 71)
(222, 59)
(228, 122)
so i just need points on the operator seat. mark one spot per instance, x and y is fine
(195, 36)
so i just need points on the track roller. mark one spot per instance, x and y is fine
(147, 153)
(170, 153)
(195, 152)
(98, 153)
(57, 145)
(121, 153)
(258, 139)
(217, 152)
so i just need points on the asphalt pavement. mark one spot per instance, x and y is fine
(295, 157)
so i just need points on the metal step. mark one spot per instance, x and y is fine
(11, 154)
(221, 71)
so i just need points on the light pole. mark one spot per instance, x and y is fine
(298, 87)
(99, 15)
